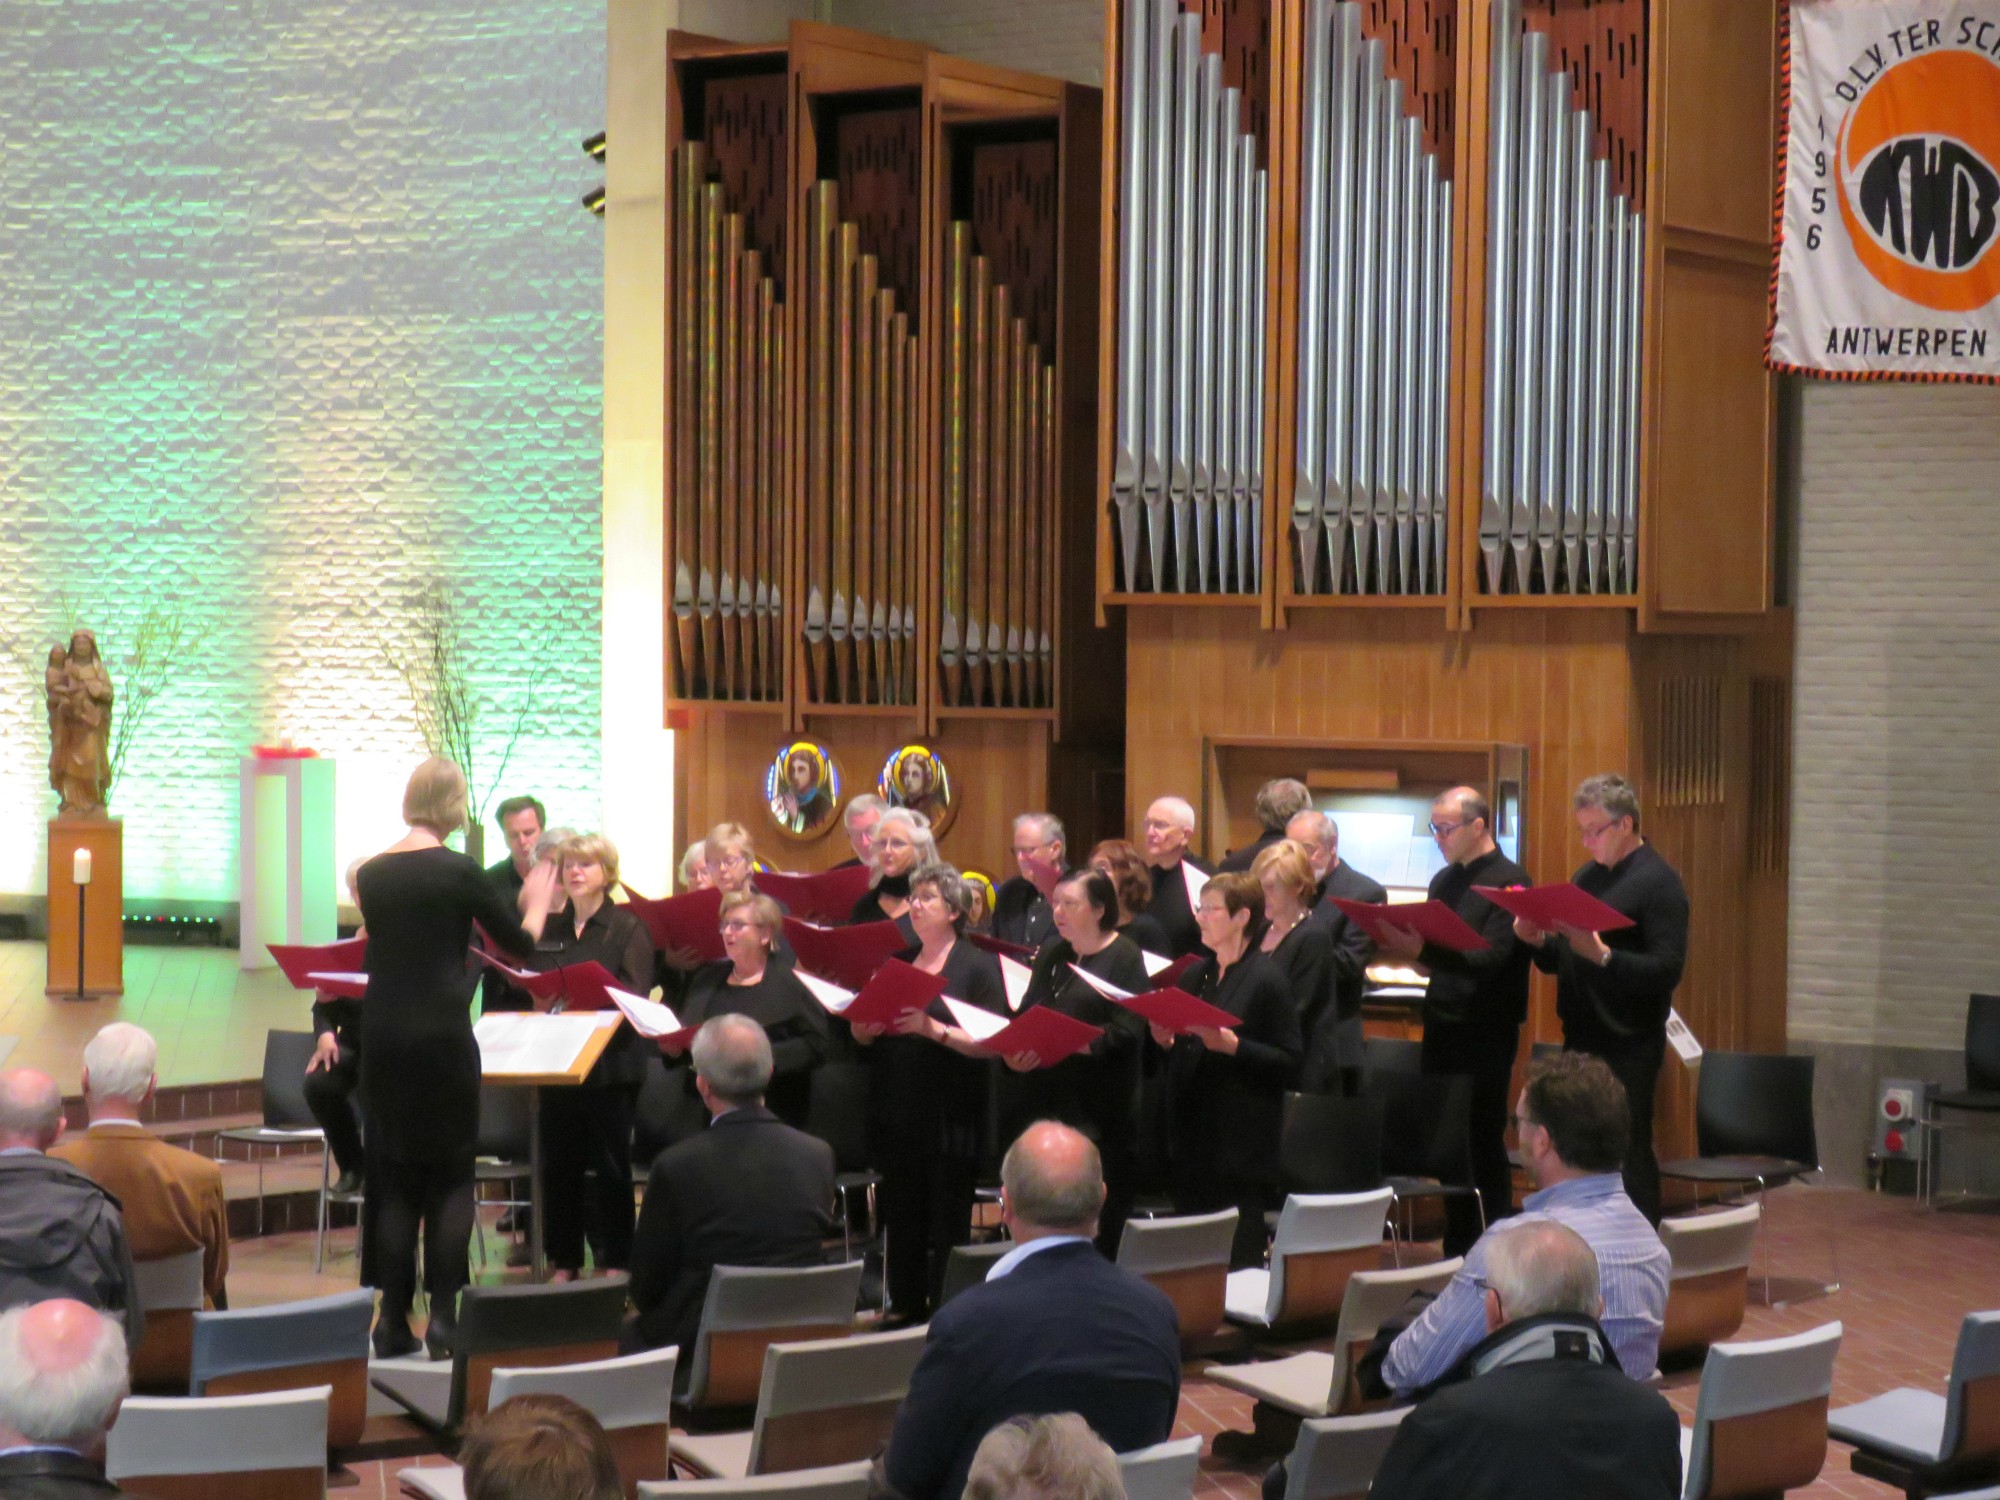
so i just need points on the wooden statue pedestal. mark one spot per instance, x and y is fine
(103, 909)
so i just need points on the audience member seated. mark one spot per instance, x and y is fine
(172, 1199)
(61, 1234)
(62, 1376)
(1570, 1121)
(538, 1448)
(1539, 1406)
(1055, 1327)
(748, 1191)
(1044, 1458)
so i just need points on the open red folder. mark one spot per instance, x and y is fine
(1546, 905)
(340, 986)
(846, 955)
(584, 986)
(895, 989)
(1432, 921)
(689, 922)
(1049, 1034)
(827, 896)
(1179, 1012)
(301, 960)
(1020, 952)
(1168, 973)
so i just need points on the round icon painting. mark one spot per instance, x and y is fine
(802, 789)
(915, 777)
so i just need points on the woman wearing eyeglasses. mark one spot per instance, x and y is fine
(902, 845)
(748, 983)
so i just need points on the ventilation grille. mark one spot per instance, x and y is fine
(1770, 775)
(1687, 743)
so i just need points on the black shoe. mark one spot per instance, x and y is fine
(346, 1185)
(437, 1339)
(393, 1339)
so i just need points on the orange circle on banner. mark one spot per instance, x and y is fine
(1950, 95)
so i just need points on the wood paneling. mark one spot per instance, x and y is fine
(1717, 115)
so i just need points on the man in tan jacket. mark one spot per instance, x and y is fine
(172, 1198)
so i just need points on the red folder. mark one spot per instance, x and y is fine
(581, 986)
(301, 959)
(827, 896)
(340, 986)
(689, 922)
(896, 989)
(1179, 1012)
(1000, 946)
(1432, 921)
(846, 955)
(1547, 905)
(1171, 976)
(1049, 1034)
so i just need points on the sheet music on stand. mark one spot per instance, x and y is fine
(522, 1045)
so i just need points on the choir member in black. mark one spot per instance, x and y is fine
(523, 822)
(1118, 859)
(864, 811)
(1096, 1090)
(1168, 828)
(749, 983)
(1278, 802)
(333, 1072)
(694, 868)
(1021, 902)
(1227, 1085)
(731, 861)
(1296, 944)
(927, 1102)
(902, 845)
(1474, 1003)
(587, 1131)
(1334, 1053)
(420, 1068)
(1614, 990)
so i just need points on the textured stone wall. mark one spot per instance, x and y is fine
(299, 314)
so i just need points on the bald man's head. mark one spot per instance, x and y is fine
(1052, 1182)
(62, 1374)
(31, 1112)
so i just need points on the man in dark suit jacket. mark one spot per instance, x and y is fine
(1055, 1327)
(62, 1377)
(748, 1191)
(1333, 1042)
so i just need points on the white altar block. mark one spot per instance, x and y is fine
(285, 864)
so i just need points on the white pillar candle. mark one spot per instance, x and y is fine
(80, 867)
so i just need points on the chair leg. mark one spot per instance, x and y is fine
(319, 1227)
(260, 1194)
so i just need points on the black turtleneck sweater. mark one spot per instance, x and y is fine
(1627, 999)
(1471, 988)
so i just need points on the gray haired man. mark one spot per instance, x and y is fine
(62, 1378)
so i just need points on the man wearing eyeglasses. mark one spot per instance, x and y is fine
(1475, 1002)
(1021, 905)
(1614, 989)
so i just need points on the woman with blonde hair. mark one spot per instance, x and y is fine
(1300, 947)
(731, 860)
(420, 1065)
(903, 844)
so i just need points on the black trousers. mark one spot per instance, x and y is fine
(330, 1097)
(1482, 1053)
(926, 1205)
(587, 1175)
(405, 1198)
(1637, 1065)
(1201, 1190)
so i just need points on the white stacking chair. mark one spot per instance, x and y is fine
(1760, 1419)
(838, 1482)
(170, 1293)
(1336, 1458)
(199, 1448)
(1920, 1440)
(1710, 1288)
(749, 1308)
(1165, 1471)
(821, 1402)
(1320, 1383)
(1321, 1240)
(1188, 1259)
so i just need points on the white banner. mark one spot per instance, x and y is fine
(1887, 265)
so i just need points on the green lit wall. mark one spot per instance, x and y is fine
(297, 312)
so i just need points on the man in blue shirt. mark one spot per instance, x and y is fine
(1571, 1124)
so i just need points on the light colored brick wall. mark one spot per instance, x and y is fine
(1062, 38)
(1895, 897)
(300, 311)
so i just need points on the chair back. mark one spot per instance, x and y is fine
(1756, 1104)
(1320, 1243)
(1373, 1297)
(837, 1112)
(270, 1446)
(1982, 1043)
(632, 1399)
(1711, 1275)
(841, 1482)
(1188, 1259)
(749, 1308)
(1164, 1471)
(504, 1122)
(170, 1294)
(1972, 1400)
(1330, 1144)
(286, 1054)
(1760, 1419)
(287, 1347)
(519, 1326)
(1426, 1125)
(967, 1266)
(831, 1401)
(1336, 1458)
(1392, 1054)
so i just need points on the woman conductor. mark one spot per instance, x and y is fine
(420, 1069)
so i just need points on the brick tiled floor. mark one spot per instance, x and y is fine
(1907, 1277)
